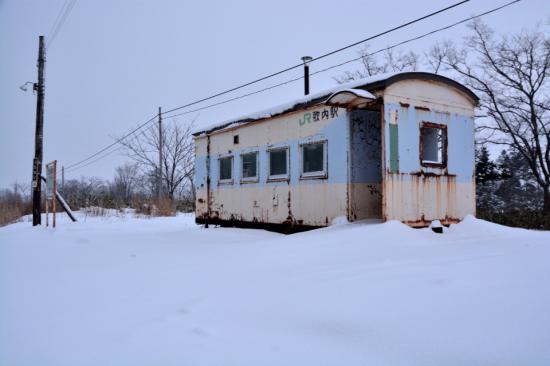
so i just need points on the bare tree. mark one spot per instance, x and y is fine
(125, 180)
(436, 55)
(380, 62)
(177, 154)
(510, 75)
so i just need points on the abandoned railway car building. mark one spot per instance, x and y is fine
(389, 147)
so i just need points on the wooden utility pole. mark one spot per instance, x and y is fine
(160, 157)
(37, 162)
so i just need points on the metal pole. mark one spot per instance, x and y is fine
(306, 79)
(160, 157)
(306, 60)
(62, 179)
(38, 136)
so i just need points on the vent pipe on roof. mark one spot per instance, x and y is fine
(306, 60)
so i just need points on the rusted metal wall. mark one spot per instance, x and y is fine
(373, 163)
(415, 193)
(296, 201)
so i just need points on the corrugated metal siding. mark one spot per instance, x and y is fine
(417, 194)
(302, 201)
(411, 193)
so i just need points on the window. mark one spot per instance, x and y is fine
(249, 165)
(433, 145)
(226, 169)
(236, 139)
(278, 164)
(314, 160)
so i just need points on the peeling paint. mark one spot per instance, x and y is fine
(373, 164)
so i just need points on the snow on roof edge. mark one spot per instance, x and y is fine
(357, 92)
(281, 108)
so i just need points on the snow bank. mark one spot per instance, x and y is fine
(163, 291)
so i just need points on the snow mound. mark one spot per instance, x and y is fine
(340, 220)
(164, 291)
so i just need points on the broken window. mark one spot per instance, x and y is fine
(433, 145)
(226, 169)
(313, 160)
(278, 163)
(249, 166)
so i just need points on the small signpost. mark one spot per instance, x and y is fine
(51, 188)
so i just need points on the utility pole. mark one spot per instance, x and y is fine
(160, 157)
(37, 162)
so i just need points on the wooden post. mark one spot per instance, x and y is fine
(38, 135)
(47, 213)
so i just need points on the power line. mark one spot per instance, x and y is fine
(67, 11)
(299, 78)
(419, 37)
(290, 81)
(349, 61)
(60, 20)
(93, 161)
(318, 57)
(59, 14)
(114, 143)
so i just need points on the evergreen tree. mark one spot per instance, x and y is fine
(487, 176)
(486, 170)
(517, 189)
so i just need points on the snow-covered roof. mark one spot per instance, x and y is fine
(356, 87)
(350, 97)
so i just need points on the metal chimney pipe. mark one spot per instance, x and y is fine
(306, 60)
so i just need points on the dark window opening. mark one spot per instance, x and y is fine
(226, 168)
(236, 139)
(313, 159)
(278, 163)
(433, 145)
(249, 165)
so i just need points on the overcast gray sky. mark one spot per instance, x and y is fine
(115, 62)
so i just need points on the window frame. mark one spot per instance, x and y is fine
(444, 157)
(256, 178)
(232, 159)
(278, 177)
(322, 174)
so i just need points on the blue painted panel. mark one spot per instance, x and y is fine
(461, 149)
(336, 136)
(460, 136)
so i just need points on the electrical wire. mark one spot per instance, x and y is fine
(318, 57)
(67, 170)
(114, 143)
(257, 80)
(348, 61)
(60, 20)
(280, 84)
(59, 14)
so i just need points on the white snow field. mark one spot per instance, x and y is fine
(163, 291)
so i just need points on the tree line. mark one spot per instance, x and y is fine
(135, 184)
